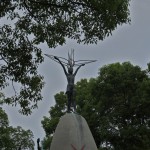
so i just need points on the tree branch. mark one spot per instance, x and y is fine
(26, 6)
(14, 88)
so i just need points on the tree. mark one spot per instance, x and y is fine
(34, 22)
(4, 133)
(116, 106)
(14, 138)
(123, 103)
(21, 138)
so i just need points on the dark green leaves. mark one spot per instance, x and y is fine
(123, 105)
(94, 20)
(20, 61)
(14, 138)
(31, 22)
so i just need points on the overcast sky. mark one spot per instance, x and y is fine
(127, 43)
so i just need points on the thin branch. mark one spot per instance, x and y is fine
(28, 9)
(14, 88)
(2, 58)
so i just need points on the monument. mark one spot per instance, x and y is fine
(72, 132)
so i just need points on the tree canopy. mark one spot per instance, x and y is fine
(31, 22)
(14, 138)
(116, 105)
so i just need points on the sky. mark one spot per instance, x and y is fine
(127, 43)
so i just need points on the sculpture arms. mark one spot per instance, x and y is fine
(78, 69)
(61, 65)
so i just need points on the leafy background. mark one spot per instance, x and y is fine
(128, 43)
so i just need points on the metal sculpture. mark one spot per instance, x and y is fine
(70, 63)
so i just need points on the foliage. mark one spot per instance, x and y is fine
(4, 119)
(4, 133)
(14, 138)
(46, 142)
(94, 19)
(21, 138)
(48, 21)
(116, 106)
(124, 103)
